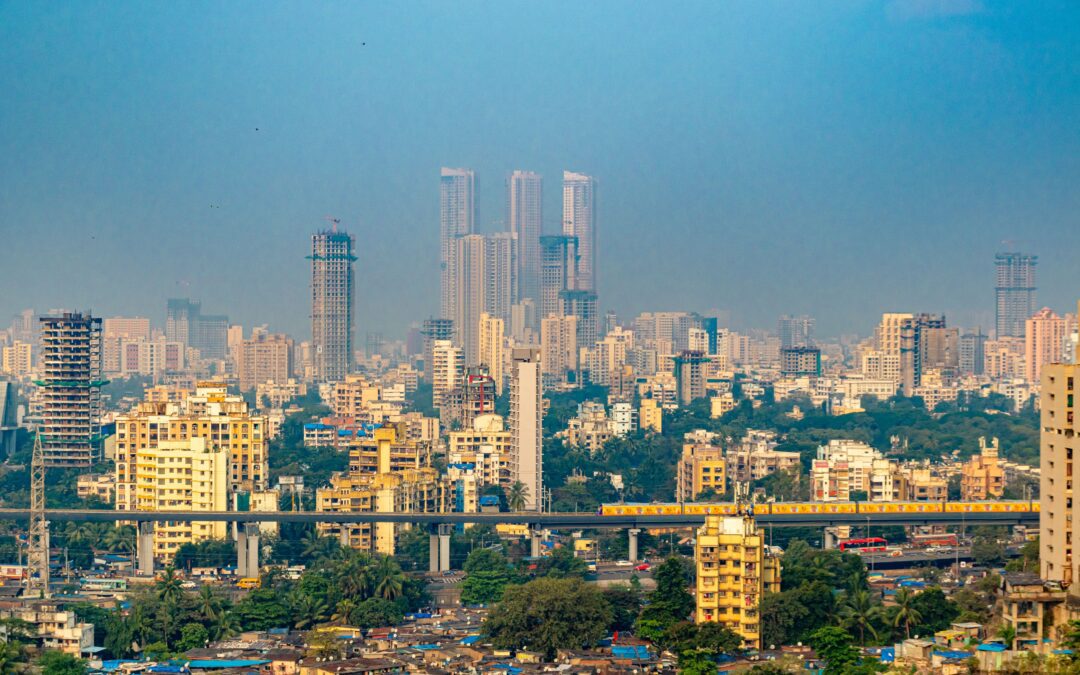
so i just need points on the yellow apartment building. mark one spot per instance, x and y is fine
(734, 571)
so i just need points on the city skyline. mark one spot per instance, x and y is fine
(717, 193)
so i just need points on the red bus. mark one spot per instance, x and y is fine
(869, 544)
(923, 540)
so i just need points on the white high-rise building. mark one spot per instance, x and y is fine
(447, 370)
(485, 283)
(457, 207)
(526, 422)
(559, 347)
(579, 220)
(524, 217)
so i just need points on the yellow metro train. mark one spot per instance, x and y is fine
(784, 508)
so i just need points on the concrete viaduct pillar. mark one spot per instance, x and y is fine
(632, 544)
(144, 548)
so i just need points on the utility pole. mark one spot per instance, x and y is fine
(37, 559)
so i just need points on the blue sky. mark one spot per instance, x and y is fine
(839, 158)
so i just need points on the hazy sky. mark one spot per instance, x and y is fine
(834, 158)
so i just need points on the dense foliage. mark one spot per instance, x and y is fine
(344, 587)
(901, 426)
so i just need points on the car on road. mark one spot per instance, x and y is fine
(643, 567)
(623, 563)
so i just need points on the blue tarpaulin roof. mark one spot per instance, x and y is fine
(630, 652)
(888, 654)
(111, 665)
(991, 647)
(227, 663)
(489, 500)
(470, 640)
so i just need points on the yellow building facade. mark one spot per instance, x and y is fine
(222, 420)
(387, 489)
(982, 476)
(186, 475)
(651, 415)
(734, 571)
(701, 467)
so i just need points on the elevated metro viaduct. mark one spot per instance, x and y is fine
(440, 525)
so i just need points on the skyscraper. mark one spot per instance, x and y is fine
(185, 323)
(579, 220)
(795, 331)
(526, 422)
(1014, 292)
(485, 282)
(558, 271)
(181, 315)
(524, 217)
(70, 389)
(332, 289)
(457, 218)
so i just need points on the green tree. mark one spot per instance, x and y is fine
(262, 609)
(625, 601)
(697, 662)
(516, 495)
(12, 658)
(834, 645)
(905, 613)
(377, 612)
(192, 636)
(859, 613)
(549, 614)
(388, 579)
(1007, 633)
(487, 574)
(60, 663)
(781, 617)
(936, 611)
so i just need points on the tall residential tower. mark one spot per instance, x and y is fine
(1014, 292)
(579, 220)
(457, 218)
(524, 215)
(332, 290)
(70, 389)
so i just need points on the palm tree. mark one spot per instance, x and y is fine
(317, 547)
(224, 626)
(906, 615)
(859, 611)
(119, 539)
(516, 496)
(1008, 635)
(207, 603)
(344, 610)
(308, 610)
(389, 579)
(169, 587)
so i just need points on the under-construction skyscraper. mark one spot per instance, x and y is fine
(332, 289)
(70, 389)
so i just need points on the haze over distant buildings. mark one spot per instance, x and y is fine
(827, 159)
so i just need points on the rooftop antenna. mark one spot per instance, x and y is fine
(334, 222)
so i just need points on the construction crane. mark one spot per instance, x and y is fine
(334, 222)
(37, 559)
